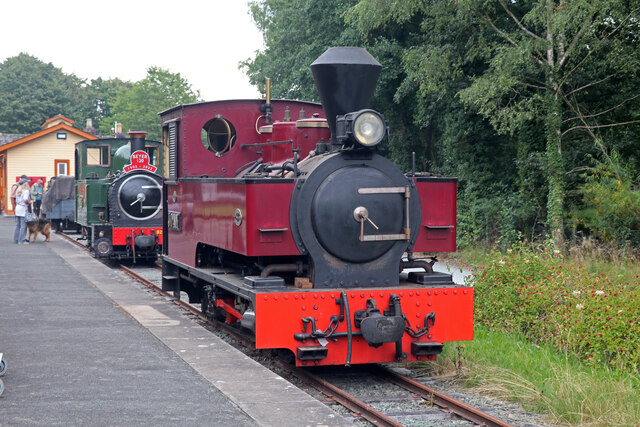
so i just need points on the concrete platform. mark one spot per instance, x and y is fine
(87, 345)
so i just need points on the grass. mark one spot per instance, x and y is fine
(466, 257)
(542, 380)
(572, 386)
(620, 271)
(614, 264)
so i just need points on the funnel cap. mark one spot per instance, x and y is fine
(346, 79)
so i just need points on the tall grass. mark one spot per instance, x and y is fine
(509, 367)
(558, 334)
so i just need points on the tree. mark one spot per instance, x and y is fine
(102, 93)
(32, 92)
(562, 67)
(552, 56)
(295, 34)
(137, 107)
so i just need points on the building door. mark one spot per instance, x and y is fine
(62, 167)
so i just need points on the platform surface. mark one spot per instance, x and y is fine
(87, 345)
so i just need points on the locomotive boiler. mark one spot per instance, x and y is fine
(299, 232)
(118, 196)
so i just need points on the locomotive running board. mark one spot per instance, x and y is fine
(230, 280)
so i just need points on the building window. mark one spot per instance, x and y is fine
(62, 135)
(98, 155)
(62, 167)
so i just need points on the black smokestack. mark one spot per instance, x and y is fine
(346, 78)
(137, 140)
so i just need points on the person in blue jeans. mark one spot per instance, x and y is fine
(36, 196)
(23, 199)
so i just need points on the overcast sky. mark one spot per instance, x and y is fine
(203, 40)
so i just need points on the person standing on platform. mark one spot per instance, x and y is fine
(23, 199)
(36, 196)
(14, 188)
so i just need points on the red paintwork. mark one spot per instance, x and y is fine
(438, 200)
(283, 131)
(119, 235)
(244, 115)
(208, 210)
(278, 318)
(233, 315)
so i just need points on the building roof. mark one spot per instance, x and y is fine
(58, 127)
(6, 138)
(47, 123)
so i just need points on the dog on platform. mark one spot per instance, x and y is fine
(40, 226)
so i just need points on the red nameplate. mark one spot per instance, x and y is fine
(140, 160)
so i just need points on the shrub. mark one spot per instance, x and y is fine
(528, 290)
(611, 203)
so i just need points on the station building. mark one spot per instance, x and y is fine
(47, 153)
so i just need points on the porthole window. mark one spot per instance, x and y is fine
(218, 135)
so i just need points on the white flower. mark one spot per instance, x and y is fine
(599, 292)
(576, 293)
(579, 306)
(556, 251)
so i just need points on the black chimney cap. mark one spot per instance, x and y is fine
(346, 79)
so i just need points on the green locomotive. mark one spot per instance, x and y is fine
(118, 202)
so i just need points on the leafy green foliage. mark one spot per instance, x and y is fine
(137, 107)
(612, 204)
(295, 34)
(32, 92)
(102, 93)
(529, 291)
(552, 76)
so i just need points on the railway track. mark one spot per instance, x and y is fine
(423, 400)
(379, 402)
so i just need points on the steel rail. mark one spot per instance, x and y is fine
(442, 400)
(149, 284)
(350, 402)
(72, 240)
(240, 338)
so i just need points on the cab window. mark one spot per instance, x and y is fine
(98, 155)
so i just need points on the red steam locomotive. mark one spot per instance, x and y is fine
(298, 231)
